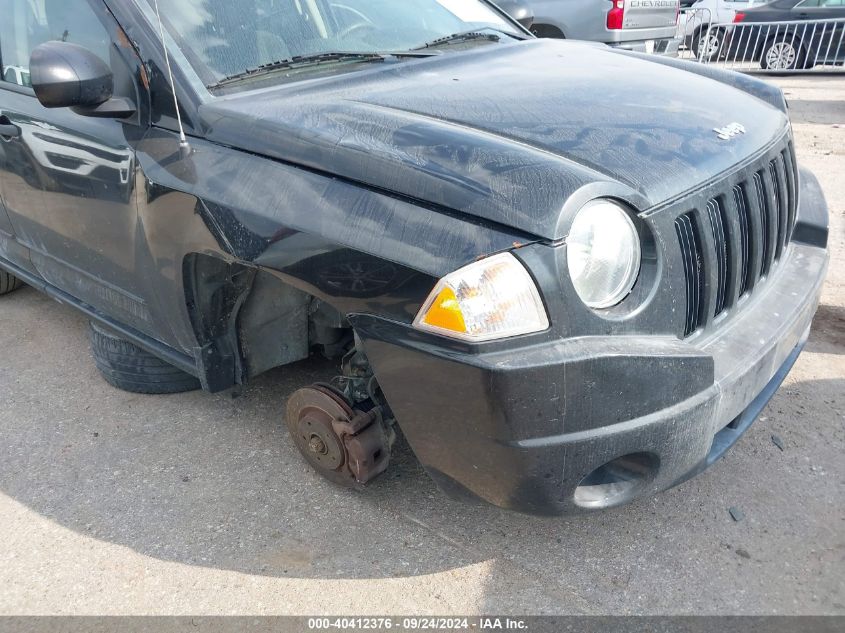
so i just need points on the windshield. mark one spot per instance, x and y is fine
(222, 38)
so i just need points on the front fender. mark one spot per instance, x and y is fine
(362, 251)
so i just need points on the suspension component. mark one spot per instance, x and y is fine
(345, 445)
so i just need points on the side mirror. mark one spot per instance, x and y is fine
(518, 10)
(66, 75)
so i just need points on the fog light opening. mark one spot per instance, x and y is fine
(617, 481)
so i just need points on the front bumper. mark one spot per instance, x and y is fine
(541, 428)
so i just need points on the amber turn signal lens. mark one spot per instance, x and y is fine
(445, 312)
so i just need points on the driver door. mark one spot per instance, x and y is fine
(68, 181)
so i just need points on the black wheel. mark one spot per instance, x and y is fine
(707, 43)
(783, 52)
(8, 283)
(132, 369)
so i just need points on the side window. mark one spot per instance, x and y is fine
(28, 23)
(807, 4)
(832, 3)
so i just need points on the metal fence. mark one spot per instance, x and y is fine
(775, 47)
(693, 25)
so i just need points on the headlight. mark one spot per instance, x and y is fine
(489, 299)
(603, 253)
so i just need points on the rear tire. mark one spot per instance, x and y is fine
(710, 50)
(8, 283)
(783, 52)
(128, 367)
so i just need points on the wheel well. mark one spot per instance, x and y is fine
(248, 320)
(792, 36)
(547, 30)
(279, 324)
(702, 30)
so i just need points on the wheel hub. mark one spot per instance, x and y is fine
(781, 56)
(315, 434)
(317, 445)
(342, 444)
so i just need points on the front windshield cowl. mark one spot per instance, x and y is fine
(225, 41)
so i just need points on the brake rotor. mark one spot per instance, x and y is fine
(346, 446)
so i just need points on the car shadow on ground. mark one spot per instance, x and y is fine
(212, 480)
(828, 330)
(815, 112)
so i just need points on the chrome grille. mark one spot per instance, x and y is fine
(736, 238)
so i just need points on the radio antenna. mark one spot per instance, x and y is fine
(184, 146)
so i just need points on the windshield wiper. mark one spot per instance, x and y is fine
(304, 61)
(466, 36)
(301, 61)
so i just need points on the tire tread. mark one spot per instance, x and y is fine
(8, 283)
(130, 368)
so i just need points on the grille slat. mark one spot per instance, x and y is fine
(771, 210)
(765, 220)
(778, 177)
(744, 221)
(690, 239)
(751, 224)
(718, 224)
(791, 189)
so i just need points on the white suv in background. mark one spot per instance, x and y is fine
(17, 75)
(694, 27)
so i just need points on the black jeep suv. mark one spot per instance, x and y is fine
(571, 275)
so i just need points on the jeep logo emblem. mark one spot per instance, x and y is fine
(729, 131)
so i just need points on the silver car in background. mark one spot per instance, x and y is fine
(518, 10)
(642, 25)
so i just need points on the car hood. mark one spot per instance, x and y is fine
(506, 133)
